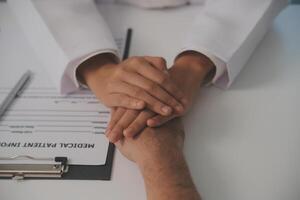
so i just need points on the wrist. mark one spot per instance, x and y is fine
(162, 155)
(168, 178)
(162, 164)
(164, 148)
(88, 69)
(159, 160)
(196, 65)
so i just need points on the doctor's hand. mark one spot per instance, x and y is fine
(200, 70)
(136, 83)
(128, 123)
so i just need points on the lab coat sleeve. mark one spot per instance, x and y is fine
(64, 33)
(228, 31)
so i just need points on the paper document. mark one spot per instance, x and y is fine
(41, 122)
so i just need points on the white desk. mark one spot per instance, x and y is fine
(241, 144)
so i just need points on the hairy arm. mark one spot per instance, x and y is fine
(168, 177)
(159, 155)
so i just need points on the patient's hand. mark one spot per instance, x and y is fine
(154, 143)
(127, 122)
(158, 154)
(189, 72)
(136, 83)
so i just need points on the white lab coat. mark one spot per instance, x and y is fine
(227, 31)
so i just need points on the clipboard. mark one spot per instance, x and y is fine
(58, 167)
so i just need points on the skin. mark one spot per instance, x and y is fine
(134, 104)
(130, 122)
(136, 83)
(159, 156)
(156, 151)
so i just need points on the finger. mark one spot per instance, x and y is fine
(138, 124)
(147, 70)
(159, 120)
(158, 62)
(112, 115)
(136, 92)
(125, 101)
(153, 89)
(115, 117)
(112, 111)
(117, 132)
(118, 144)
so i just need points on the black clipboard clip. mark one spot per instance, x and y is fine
(43, 168)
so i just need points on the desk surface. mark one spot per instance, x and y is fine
(241, 144)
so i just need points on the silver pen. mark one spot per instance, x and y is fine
(14, 92)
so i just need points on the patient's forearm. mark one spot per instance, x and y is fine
(167, 177)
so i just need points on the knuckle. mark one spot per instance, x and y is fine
(135, 60)
(119, 127)
(139, 92)
(171, 101)
(110, 86)
(131, 103)
(161, 61)
(157, 105)
(119, 72)
(178, 93)
(113, 122)
(137, 126)
(113, 119)
(151, 87)
(133, 129)
(163, 79)
(113, 135)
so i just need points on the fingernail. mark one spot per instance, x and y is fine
(166, 109)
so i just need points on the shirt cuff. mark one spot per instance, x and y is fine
(70, 83)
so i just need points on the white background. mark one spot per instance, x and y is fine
(241, 144)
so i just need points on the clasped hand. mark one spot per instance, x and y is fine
(141, 91)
